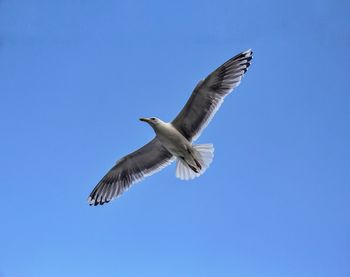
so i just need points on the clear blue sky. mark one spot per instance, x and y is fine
(75, 76)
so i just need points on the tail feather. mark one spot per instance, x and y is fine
(204, 156)
(183, 171)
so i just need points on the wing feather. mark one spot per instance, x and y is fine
(130, 169)
(209, 94)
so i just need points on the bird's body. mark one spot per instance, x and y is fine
(174, 140)
(171, 138)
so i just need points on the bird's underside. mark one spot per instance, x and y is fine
(203, 103)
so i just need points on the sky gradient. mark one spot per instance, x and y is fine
(75, 76)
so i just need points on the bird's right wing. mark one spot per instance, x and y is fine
(130, 169)
(209, 94)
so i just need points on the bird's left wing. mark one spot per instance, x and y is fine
(209, 94)
(130, 169)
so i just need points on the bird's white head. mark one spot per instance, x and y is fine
(153, 121)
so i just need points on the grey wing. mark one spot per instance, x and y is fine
(209, 94)
(132, 168)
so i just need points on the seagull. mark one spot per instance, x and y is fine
(174, 140)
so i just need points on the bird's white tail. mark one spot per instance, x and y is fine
(204, 154)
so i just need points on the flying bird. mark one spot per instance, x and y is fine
(174, 140)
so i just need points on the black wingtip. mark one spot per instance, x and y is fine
(93, 202)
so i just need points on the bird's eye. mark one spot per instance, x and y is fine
(152, 118)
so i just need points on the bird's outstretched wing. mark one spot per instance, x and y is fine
(209, 94)
(130, 169)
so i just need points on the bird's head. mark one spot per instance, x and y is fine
(153, 121)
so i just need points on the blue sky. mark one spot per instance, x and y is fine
(75, 76)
